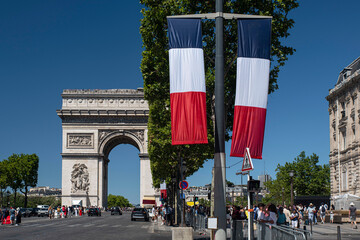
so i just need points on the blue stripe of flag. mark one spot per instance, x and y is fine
(254, 38)
(184, 33)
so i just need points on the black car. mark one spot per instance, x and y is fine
(115, 210)
(139, 213)
(94, 212)
(33, 212)
(24, 212)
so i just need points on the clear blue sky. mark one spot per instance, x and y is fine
(48, 46)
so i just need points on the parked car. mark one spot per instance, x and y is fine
(115, 210)
(35, 212)
(94, 212)
(31, 212)
(43, 212)
(139, 213)
(24, 212)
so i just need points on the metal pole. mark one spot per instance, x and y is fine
(183, 201)
(292, 192)
(249, 206)
(338, 233)
(219, 157)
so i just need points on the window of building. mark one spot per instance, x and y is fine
(343, 142)
(344, 180)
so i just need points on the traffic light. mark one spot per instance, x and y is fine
(209, 195)
(253, 185)
(196, 199)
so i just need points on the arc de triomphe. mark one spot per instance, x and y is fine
(93, 123)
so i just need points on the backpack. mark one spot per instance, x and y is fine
(323, 209)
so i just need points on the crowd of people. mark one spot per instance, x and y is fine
(10, 216)
(293, 216)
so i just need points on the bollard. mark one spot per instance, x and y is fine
(338, 233)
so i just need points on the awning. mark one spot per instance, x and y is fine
(152, 202)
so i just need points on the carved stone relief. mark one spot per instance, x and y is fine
(104, 133)
(83, 140)
(80, 178)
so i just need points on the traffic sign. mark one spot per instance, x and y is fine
(184, 184)
(247, 163)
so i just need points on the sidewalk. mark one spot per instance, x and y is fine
(329, 231)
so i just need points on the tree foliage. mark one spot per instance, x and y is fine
(19, 172)
(155, 69)
(310, 179)
(118, 201)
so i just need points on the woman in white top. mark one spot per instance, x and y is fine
(272, 218)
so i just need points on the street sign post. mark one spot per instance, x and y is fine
(247, 163)
(183, 185)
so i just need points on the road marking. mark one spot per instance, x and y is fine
(119, 225)
(75, 225)
(104, 225)
(88, 225)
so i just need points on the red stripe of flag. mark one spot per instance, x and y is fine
(188, 118)
(248, 130)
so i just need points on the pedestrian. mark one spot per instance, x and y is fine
(18, 217)
(352, 215)
(281, 217)
(322, 213)
(50, 212)
(287, 215)
(311, 210)
(261, 212)
(294, 217)
(1, 217)
(331, 214)
(12, 215)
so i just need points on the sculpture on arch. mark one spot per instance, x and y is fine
(80, 178)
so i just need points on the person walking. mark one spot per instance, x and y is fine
(311, 210)
(18, 217)
(322, 213)
(50, 212)
(331, 214)
(12, 215)
(352, 215)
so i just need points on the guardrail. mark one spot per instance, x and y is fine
(264, 231)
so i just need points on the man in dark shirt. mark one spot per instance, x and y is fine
(352, 214)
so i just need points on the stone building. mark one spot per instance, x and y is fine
(344, 116)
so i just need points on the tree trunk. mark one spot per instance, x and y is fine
(15, 190)
(26, 197)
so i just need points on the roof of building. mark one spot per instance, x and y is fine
(348, 75)
(349, 70)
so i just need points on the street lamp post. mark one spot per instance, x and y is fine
(291, 174)
(219, 134)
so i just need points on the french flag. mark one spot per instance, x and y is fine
(252, 83)
(187, 82)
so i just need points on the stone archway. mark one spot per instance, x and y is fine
(93, 123)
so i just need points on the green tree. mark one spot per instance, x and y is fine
(13, 177)
(310, 179)
(155, 70)
(3, 181)
(28, 171)
(118, 201)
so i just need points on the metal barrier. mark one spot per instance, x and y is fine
(264, 231)
(197, 221)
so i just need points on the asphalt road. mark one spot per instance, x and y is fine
(99, 228)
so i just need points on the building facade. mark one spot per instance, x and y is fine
(45, 191)
(344, 117)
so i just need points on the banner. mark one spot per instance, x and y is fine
(187, 82)
(252, 83)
